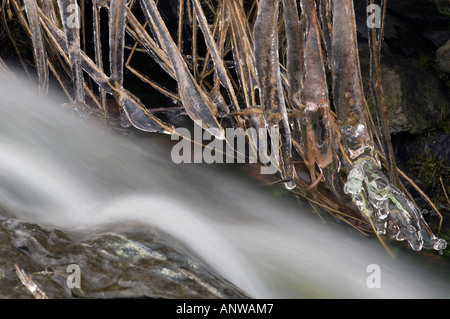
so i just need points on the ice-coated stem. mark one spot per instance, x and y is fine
(295, 61)
(321, 129)
(265, 34)
(70, 16)
(40, 54)
(381, 201)
(136, 112)
(117, 20)
(195, 101)
(98, 46)
(348, 95)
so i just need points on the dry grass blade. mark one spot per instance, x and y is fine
(445, 191)
(51, 66)
(59, 42)
(242, 47)
(40, 54)
(8, 32)
(154, 84)
(29, 284)
(137, 31)
(49, 9)
(195, 101)
(214, 52)
(375, 39)
(326, 23)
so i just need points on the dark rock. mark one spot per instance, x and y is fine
(443, 57)
(438, 38)
(411, 30)
(415, 99)
(419, 12)
(125, 264)
(408, 146)
(415, 92)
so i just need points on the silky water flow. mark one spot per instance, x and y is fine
(61, 171)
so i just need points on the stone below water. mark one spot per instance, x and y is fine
(124, 264)
(443, 57)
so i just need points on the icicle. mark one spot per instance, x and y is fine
(322, 142)
(348, 95)
(391, 212)
(98, 46)
(3, 67)
(60, 43)
(133, 107)
(124, 120)
(194, 99)
(295, 35)
(138, 115)
(40, 54)
(294, 52)
(265, 34)
(117, 20)
(70, 16)
(221, 107)
(315, 91)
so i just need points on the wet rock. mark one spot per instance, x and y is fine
(415, 94)
(125, 264)
(420, 12)
(409, 146)
(415, 99)
(443, 57)
(411, 30)
(438, 38)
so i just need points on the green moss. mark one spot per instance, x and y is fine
(442, 8)
(429, 170)
(428, 62)
(445, 235)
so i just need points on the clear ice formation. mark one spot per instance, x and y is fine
(37, 38)
(72, 32)
(197, 104)
(389, 211)
(265, 34)
(117, 21)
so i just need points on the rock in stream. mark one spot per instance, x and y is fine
(126, 264)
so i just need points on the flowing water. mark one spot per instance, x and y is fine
(60, 171)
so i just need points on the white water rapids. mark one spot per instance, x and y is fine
(59, 171)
